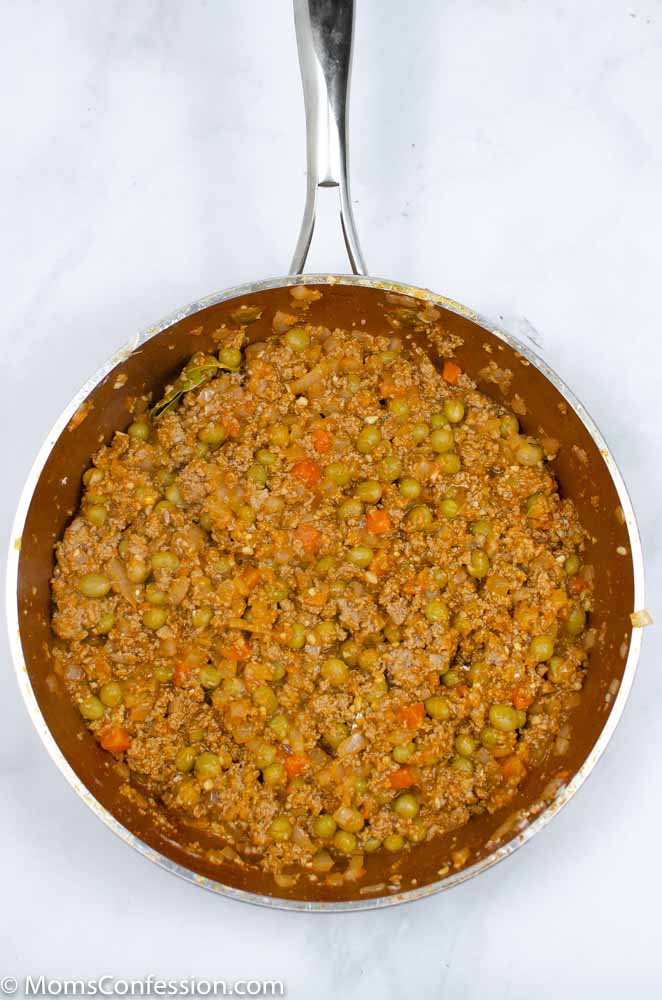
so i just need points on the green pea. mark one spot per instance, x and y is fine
(297, 339)
(491, 737)
(201, 617)
(419, 518)
(335, 671)
(576, 622)
(438, 707)
(265, 755)
(207, 765)
(389, 468)
(419, 432)
(266, 457)
(559, 671)
(452, 678)
(479, 564)
(164, 505)
(529, 454)
(212, 434)
(139, 431)
(230, 357)
(436, 611)
(462, 764)
(91, 708)
(481, 529)
(344, 841)
(439, 577)
(154, 595)
(201, 449)
(96, 514)
(388, 357)
(274, 774)
(393, 633)
(210, 677)
(406, 806)
(398, 407)
(449, 463)
(349, 651)
(571, 565)
(257, 474)
(349, 819)
(246, 514)
(155, 618)
(105, 623)
(92, 477)
(325, 565)
(368, 658)
(509, 425)
(454, 410)
(278, 434)
(185, 759)
(371, 845)
(410, 488)
(368, 439)
(165, 560)
(264, 697)
(94, 585)
(442, 440)
(352, 507)
(449, 508)
(297, 639)
(438, 420)
(394, 842)
(324, 826)
(280, 726)
(174, 495)
(324, 633)
(281, 828)
(338, 473)
(360, 555)
(111, 694)
(369, 491)
(336, 733)
(403, 752)
(465, 744)
(541, 648)
(163, 673)
(137, 570)
(521, 718)
(503, 718)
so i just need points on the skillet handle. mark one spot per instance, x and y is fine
(324, 40)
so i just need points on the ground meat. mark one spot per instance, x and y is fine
(324, 599)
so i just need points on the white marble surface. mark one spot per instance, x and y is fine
(507, 153)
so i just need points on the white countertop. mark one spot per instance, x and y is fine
(507, 154)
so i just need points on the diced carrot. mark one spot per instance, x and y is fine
(309, 536)
(462, 690)
(451, 372)
(295, 764)
(307, 472)
(115, 740)
(380, 563)
(322, 441)
(317, 599)
(378, 522)
(404, 777)
(412, 715)
(231, 425)
(182, 671)
(513, 768)
(251, 577)
(389, 389)
(521, 699)
(239, 651)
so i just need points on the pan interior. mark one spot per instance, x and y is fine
(583, 473)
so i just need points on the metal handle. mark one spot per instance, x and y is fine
(324, 40)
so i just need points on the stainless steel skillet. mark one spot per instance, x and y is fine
(585, 469)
